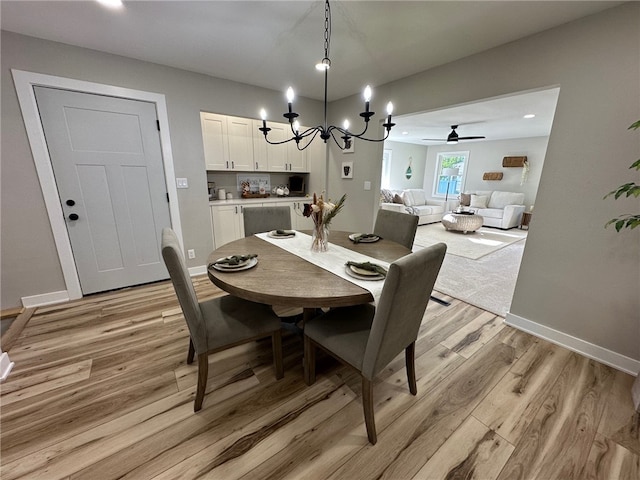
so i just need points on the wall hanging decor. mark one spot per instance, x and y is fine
(492, 176)
(347, 170)
(409, 173)
(514, 161)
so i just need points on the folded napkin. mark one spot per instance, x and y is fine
(235, 259)
(363, 236)
(284, 233)
(371, 267)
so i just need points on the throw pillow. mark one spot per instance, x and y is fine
(478, 201)
(387, 195)
(465, 199)
(398, 199)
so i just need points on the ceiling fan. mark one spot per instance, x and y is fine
(453, 137)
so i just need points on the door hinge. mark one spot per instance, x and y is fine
(167, 197)
(158, 124)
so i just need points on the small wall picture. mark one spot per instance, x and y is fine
(348, 146)
(347, 170)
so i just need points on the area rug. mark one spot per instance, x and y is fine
(473, 245)
(487, 283)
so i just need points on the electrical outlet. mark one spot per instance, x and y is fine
(367, 185)
(191, 253)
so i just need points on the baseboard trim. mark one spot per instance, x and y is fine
(45, 299)
(589, 350)
(63, 296)
(5, 366)
(200, 270)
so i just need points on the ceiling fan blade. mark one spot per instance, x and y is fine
(470, 138)
(435, 139)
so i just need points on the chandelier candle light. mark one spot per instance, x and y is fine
(326, 131)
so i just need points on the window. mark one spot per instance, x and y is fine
(445, 183)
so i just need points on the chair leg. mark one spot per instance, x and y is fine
(203, 374)
(276, 346)
(367, 404)
(410, 361)
(309, 361)
(192, 352)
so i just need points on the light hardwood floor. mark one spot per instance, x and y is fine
(101, 389)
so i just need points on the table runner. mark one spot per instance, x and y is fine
(333, 260)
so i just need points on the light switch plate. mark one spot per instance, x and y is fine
(367, 185)
(182, 183)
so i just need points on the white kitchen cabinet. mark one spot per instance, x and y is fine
(227, 141)
(260, 160)
(228, 223)
(284, 157)
(240, 138)
(298, 220)
(214, 139)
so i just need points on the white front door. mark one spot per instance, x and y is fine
(107, 163)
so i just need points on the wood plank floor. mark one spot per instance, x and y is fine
(101, 390)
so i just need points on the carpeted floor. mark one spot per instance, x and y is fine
(472, 245)
(487, 282)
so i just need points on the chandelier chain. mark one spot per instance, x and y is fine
(326, 131)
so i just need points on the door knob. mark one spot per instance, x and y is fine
(74, 217)
(71, 203)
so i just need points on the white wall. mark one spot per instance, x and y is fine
(401, 155)
(486, 156)
(577, 279)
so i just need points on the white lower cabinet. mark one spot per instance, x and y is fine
(298, 220)
(228, 220)
(228, 223)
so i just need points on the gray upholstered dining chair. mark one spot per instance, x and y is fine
(367, 337)
(396, 226)
(219, 323)
(265, 219)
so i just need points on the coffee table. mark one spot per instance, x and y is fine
(462, 222)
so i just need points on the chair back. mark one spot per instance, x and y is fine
(265, 219)
(396, 226)
(401, 306)
(182, 284)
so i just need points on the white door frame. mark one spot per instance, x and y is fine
(24, 83)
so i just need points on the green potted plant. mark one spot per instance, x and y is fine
(627, 220)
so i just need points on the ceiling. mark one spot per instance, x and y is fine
(274, 44)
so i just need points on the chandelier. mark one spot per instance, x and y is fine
(326, 131)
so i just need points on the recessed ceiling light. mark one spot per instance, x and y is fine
(529, 115)
(111, 3)
(405, 133)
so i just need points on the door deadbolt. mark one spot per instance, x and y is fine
(71, 203)
(74, 217)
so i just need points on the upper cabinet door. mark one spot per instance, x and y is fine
(298, 158)
(277, 155)
(240, 137)
(215, 141)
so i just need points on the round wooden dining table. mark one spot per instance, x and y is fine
(282, 278)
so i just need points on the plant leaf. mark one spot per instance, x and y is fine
(634, 126)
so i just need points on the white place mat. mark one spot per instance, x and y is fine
(333, 260)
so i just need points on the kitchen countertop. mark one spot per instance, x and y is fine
(250, 201)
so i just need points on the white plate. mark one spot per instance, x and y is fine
(353, 237)
(273, 234)
(246, 265)
(353, 274)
